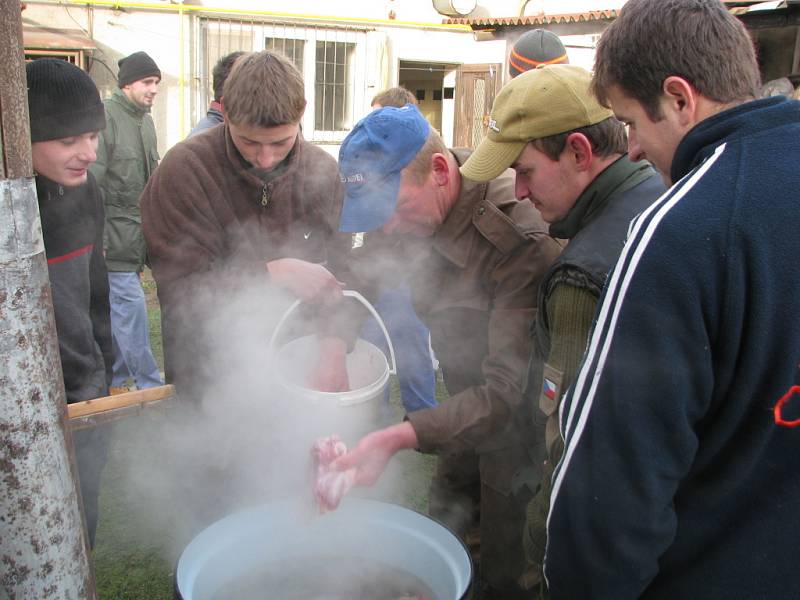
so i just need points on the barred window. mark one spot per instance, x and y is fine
(334, 86)
(332, 60)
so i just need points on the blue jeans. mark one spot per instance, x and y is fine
(410, 339)
(130, 333)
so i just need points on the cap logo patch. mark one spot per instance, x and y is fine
(354, 178)
(493, 125)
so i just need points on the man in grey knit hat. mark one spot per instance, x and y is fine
(535, 48)
(126, 157)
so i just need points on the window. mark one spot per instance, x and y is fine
(333, 89)
(332, 60)
(292, 48)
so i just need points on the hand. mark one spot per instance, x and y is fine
(308, 281)
(330, 374)
(371, 455)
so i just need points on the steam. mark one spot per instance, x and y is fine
(247, 439)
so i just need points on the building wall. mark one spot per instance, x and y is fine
(173, 40)
(118, 33)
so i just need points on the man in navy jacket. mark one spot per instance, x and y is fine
(680, 471)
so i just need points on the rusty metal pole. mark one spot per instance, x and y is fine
(43, 546)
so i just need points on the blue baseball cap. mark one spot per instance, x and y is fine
(370, 160)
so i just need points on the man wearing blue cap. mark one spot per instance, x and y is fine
(474, 256)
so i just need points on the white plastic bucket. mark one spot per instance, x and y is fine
(349, 413)
(365, 530)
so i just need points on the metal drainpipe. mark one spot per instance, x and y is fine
(43, 548)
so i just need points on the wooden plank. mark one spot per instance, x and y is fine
(156, 407)
(128, 399)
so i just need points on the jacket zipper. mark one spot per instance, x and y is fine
(265, 195)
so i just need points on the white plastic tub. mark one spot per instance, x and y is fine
(367, 530)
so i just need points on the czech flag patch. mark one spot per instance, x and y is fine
(549, 389)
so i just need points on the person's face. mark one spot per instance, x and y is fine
(551, 185)
(264, 147)
(65, 160)
(417, 212)
(142, 92)
(655, 141)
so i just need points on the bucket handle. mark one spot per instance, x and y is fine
(349, 294)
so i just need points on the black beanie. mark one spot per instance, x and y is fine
(63, 101)
(137, 66)
(534, 48)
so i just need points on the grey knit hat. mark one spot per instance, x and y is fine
(534, 48)
(63, 101)
(137, 66)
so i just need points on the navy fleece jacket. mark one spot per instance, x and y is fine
(677, 481)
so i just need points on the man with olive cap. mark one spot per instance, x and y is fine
(474, 256)
(569, 153)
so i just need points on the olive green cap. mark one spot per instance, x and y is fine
(539, 103)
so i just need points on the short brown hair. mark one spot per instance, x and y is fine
(396, 96)
(698, 40)
(607, 137)
(264, 89)
(420, 166)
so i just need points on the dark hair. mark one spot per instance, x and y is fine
(698, 40)
(221, 71)
(396, 96)
(264, 89)
(607, 137)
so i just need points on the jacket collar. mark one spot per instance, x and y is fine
(622, 173)
(120, 98)
(455, 237)
(740, 121)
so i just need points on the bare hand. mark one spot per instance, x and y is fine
(308, 281)
(330, 374)
(371, 455)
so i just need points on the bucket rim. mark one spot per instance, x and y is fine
(351, 397)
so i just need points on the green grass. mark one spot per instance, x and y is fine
(129, 559)
(133, 557)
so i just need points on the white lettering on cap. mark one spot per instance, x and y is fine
(493, 125)
(354, 178)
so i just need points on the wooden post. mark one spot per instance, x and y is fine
(44, 551)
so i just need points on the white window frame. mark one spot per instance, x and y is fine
(356, 76)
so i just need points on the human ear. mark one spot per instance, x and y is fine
(579, 149)
(440, 169)
(680, 100)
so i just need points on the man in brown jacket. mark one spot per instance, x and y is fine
(474, 258)
(240, 203)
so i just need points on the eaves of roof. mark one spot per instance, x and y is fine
(736, 7)
(481, 22)
(47, 38)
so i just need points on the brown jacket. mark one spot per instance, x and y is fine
(475, 283)
(206, 216)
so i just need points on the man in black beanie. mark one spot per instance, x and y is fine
(66, 114)
(126, 157)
